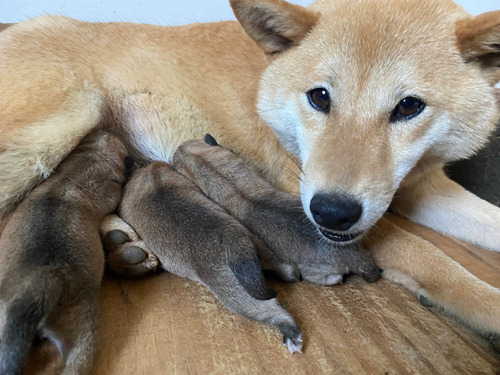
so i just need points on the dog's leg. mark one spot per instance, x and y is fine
(441, 204)
(126, 253)
(434, 277)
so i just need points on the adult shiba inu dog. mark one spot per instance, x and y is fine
(369, 98)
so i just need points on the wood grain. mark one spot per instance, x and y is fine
(163, 324)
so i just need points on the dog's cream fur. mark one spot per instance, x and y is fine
(161, 86)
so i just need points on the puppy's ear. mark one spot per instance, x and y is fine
(479, 40)
(274, 25)
(209, 140)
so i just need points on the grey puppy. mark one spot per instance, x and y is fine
(51, 257)
(193, 237)
(294, 247)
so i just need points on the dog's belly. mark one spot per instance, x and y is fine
(155, 125)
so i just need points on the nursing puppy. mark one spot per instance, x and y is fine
(294, 246)
(51, 258)
(193, 237)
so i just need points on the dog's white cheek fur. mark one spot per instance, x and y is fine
(407, 153)
(279, 111)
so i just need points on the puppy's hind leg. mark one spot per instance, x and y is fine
(360, 263)
(271, 312)
(75, 332)
(24, 313)
(243, 290)
(126, 253)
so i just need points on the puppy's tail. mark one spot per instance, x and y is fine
(23, 317)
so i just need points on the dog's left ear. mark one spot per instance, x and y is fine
(275, 25)
(479, 40)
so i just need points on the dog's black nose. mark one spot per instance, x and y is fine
(335, 212)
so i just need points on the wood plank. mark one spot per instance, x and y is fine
(163, 324)
(168, 325)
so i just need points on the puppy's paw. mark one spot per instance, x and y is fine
(126, 253)
(331, 279)
(115, 231)
(371, 274)
(131, 260)
(293, 342)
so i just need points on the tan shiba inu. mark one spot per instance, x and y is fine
(366, 100)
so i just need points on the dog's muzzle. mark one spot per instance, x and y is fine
(335, 214)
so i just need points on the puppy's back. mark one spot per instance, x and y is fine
(173, 216)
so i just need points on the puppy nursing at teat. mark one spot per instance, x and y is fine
(51, 257)
(295, 247)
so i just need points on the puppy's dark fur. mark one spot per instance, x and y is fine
(294, 247)
(51, 257)
(195, 238)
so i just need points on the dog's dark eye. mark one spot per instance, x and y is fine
(407, 108)
(319, 98)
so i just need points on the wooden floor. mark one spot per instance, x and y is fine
(163, 324)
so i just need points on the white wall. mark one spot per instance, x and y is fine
(164, 12)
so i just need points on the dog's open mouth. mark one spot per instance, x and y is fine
(338, 237)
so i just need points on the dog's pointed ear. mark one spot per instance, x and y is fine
(274, 25)
(479, 40)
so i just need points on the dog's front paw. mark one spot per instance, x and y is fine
(126, 253)
(425, 301)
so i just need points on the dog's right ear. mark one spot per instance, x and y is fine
(479, 40)
(274, 25)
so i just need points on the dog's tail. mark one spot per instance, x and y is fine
(23, 317)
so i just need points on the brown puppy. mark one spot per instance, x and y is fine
(295, 246)
(51, 259)
(194, 238)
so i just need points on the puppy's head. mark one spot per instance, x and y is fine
(97, 169)
(365, 92)
(216, 169)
